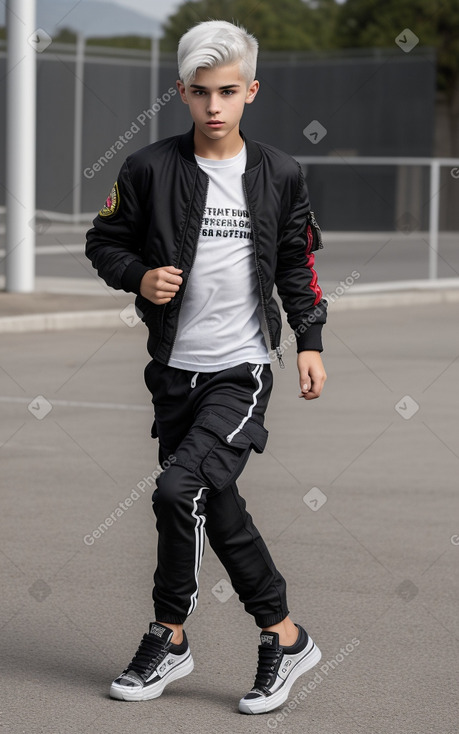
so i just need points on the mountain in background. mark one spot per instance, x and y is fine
(92, 18)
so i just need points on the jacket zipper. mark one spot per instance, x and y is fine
(260, 282)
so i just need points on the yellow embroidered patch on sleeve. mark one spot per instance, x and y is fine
(111, 205)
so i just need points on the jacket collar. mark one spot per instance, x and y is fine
(186, 149)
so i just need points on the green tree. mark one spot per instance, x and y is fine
(65, 35)
(376, 23)
(279, 25)
(321, 25)
(139, 43)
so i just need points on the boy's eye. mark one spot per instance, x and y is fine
(225, 92)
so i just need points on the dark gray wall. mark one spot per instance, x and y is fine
(369, 104)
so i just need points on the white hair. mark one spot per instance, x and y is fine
(216, 43)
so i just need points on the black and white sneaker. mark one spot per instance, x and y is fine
(278, 669)
(156, 663)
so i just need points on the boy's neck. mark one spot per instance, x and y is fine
(227, 147)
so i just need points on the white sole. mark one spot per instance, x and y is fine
(267, 703)
(123, 693)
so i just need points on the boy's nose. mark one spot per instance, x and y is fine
(214, 106)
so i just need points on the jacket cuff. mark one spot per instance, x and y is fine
(130, 280)
(311, 338)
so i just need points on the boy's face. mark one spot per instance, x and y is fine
(216, 98)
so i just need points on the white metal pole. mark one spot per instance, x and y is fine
(20, 146)
(78, 126)
(434, 217)
(154, 88)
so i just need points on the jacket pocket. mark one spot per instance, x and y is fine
(313, 234)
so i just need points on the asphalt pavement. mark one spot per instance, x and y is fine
(356, 496)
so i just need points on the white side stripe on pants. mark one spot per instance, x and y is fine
(256, 373)
(199, 547)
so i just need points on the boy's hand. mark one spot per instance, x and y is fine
(161, 284)
(312, 374)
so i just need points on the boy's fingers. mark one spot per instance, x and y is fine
(169, 285)
(170, 275)
(311, 386)
(172, 272)
(310, 395)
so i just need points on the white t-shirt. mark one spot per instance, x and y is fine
(219, 322)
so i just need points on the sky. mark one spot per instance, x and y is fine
(90, 17)
(159, 9)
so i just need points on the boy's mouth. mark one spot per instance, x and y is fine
(214, 123)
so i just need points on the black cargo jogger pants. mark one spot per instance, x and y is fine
(207, 424)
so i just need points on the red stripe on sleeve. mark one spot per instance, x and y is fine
(313, 285)
(310, 259)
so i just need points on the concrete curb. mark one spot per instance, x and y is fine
(394, 299)
(61, 321)
(376, 295)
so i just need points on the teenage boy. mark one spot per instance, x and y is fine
(200, 226)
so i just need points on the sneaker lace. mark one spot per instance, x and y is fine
(268, 663)
(150, 653)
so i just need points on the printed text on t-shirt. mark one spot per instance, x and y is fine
(226, 222)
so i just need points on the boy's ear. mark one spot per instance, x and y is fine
(182, 92)
(252, 91)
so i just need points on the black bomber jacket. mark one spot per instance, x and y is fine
(153, 216)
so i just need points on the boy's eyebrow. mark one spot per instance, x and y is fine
(226, 86)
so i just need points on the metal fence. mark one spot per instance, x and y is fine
(407, 220)
(95, 106)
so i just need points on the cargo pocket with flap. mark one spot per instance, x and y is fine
(221, 448)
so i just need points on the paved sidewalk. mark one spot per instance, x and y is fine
(76, 303)
(62, 304)
(25, 304)
(356, 496)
